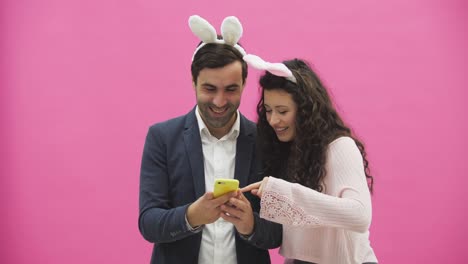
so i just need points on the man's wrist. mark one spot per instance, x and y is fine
(249, 235)
(191, 228)
(246, 237)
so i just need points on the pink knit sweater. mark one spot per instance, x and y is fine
(330, 227)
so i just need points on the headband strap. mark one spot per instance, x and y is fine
(231, 30)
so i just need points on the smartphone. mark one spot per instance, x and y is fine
(222, 186)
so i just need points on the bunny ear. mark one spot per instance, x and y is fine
(255, 61)
(202, 29)
(231, 30)
(278, 69)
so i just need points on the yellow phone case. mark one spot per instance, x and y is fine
(222, 186)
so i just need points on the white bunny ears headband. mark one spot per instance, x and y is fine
(231, 30)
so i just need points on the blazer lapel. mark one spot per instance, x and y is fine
(193, 146)
(245, 147)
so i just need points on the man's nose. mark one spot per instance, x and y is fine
(220, 99)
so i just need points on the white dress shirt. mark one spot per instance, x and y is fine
(218, 243)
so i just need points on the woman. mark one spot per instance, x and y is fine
(319, 184)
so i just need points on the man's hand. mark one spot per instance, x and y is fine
(239, 212)
(206, 209)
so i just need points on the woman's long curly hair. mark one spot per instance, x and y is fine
(317, 125)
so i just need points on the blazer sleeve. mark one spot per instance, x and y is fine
(158, 222)
(267, 234)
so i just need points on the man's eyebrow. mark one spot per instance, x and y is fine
(209, 85)
(234, 85)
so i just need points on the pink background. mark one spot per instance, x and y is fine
(81, 81)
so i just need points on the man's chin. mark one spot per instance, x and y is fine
(221, 119)
(218, 124)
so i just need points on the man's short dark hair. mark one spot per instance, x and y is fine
(215, 55)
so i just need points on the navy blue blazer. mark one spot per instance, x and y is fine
(172, 177)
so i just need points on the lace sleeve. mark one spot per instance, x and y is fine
(280, 209)
(346, 203)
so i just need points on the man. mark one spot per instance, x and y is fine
(183, 156)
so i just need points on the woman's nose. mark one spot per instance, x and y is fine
(273, 119)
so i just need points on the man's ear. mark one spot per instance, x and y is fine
(194, 85)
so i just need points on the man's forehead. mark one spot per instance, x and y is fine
(220, 76)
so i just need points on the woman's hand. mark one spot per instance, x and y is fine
(256, 188)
